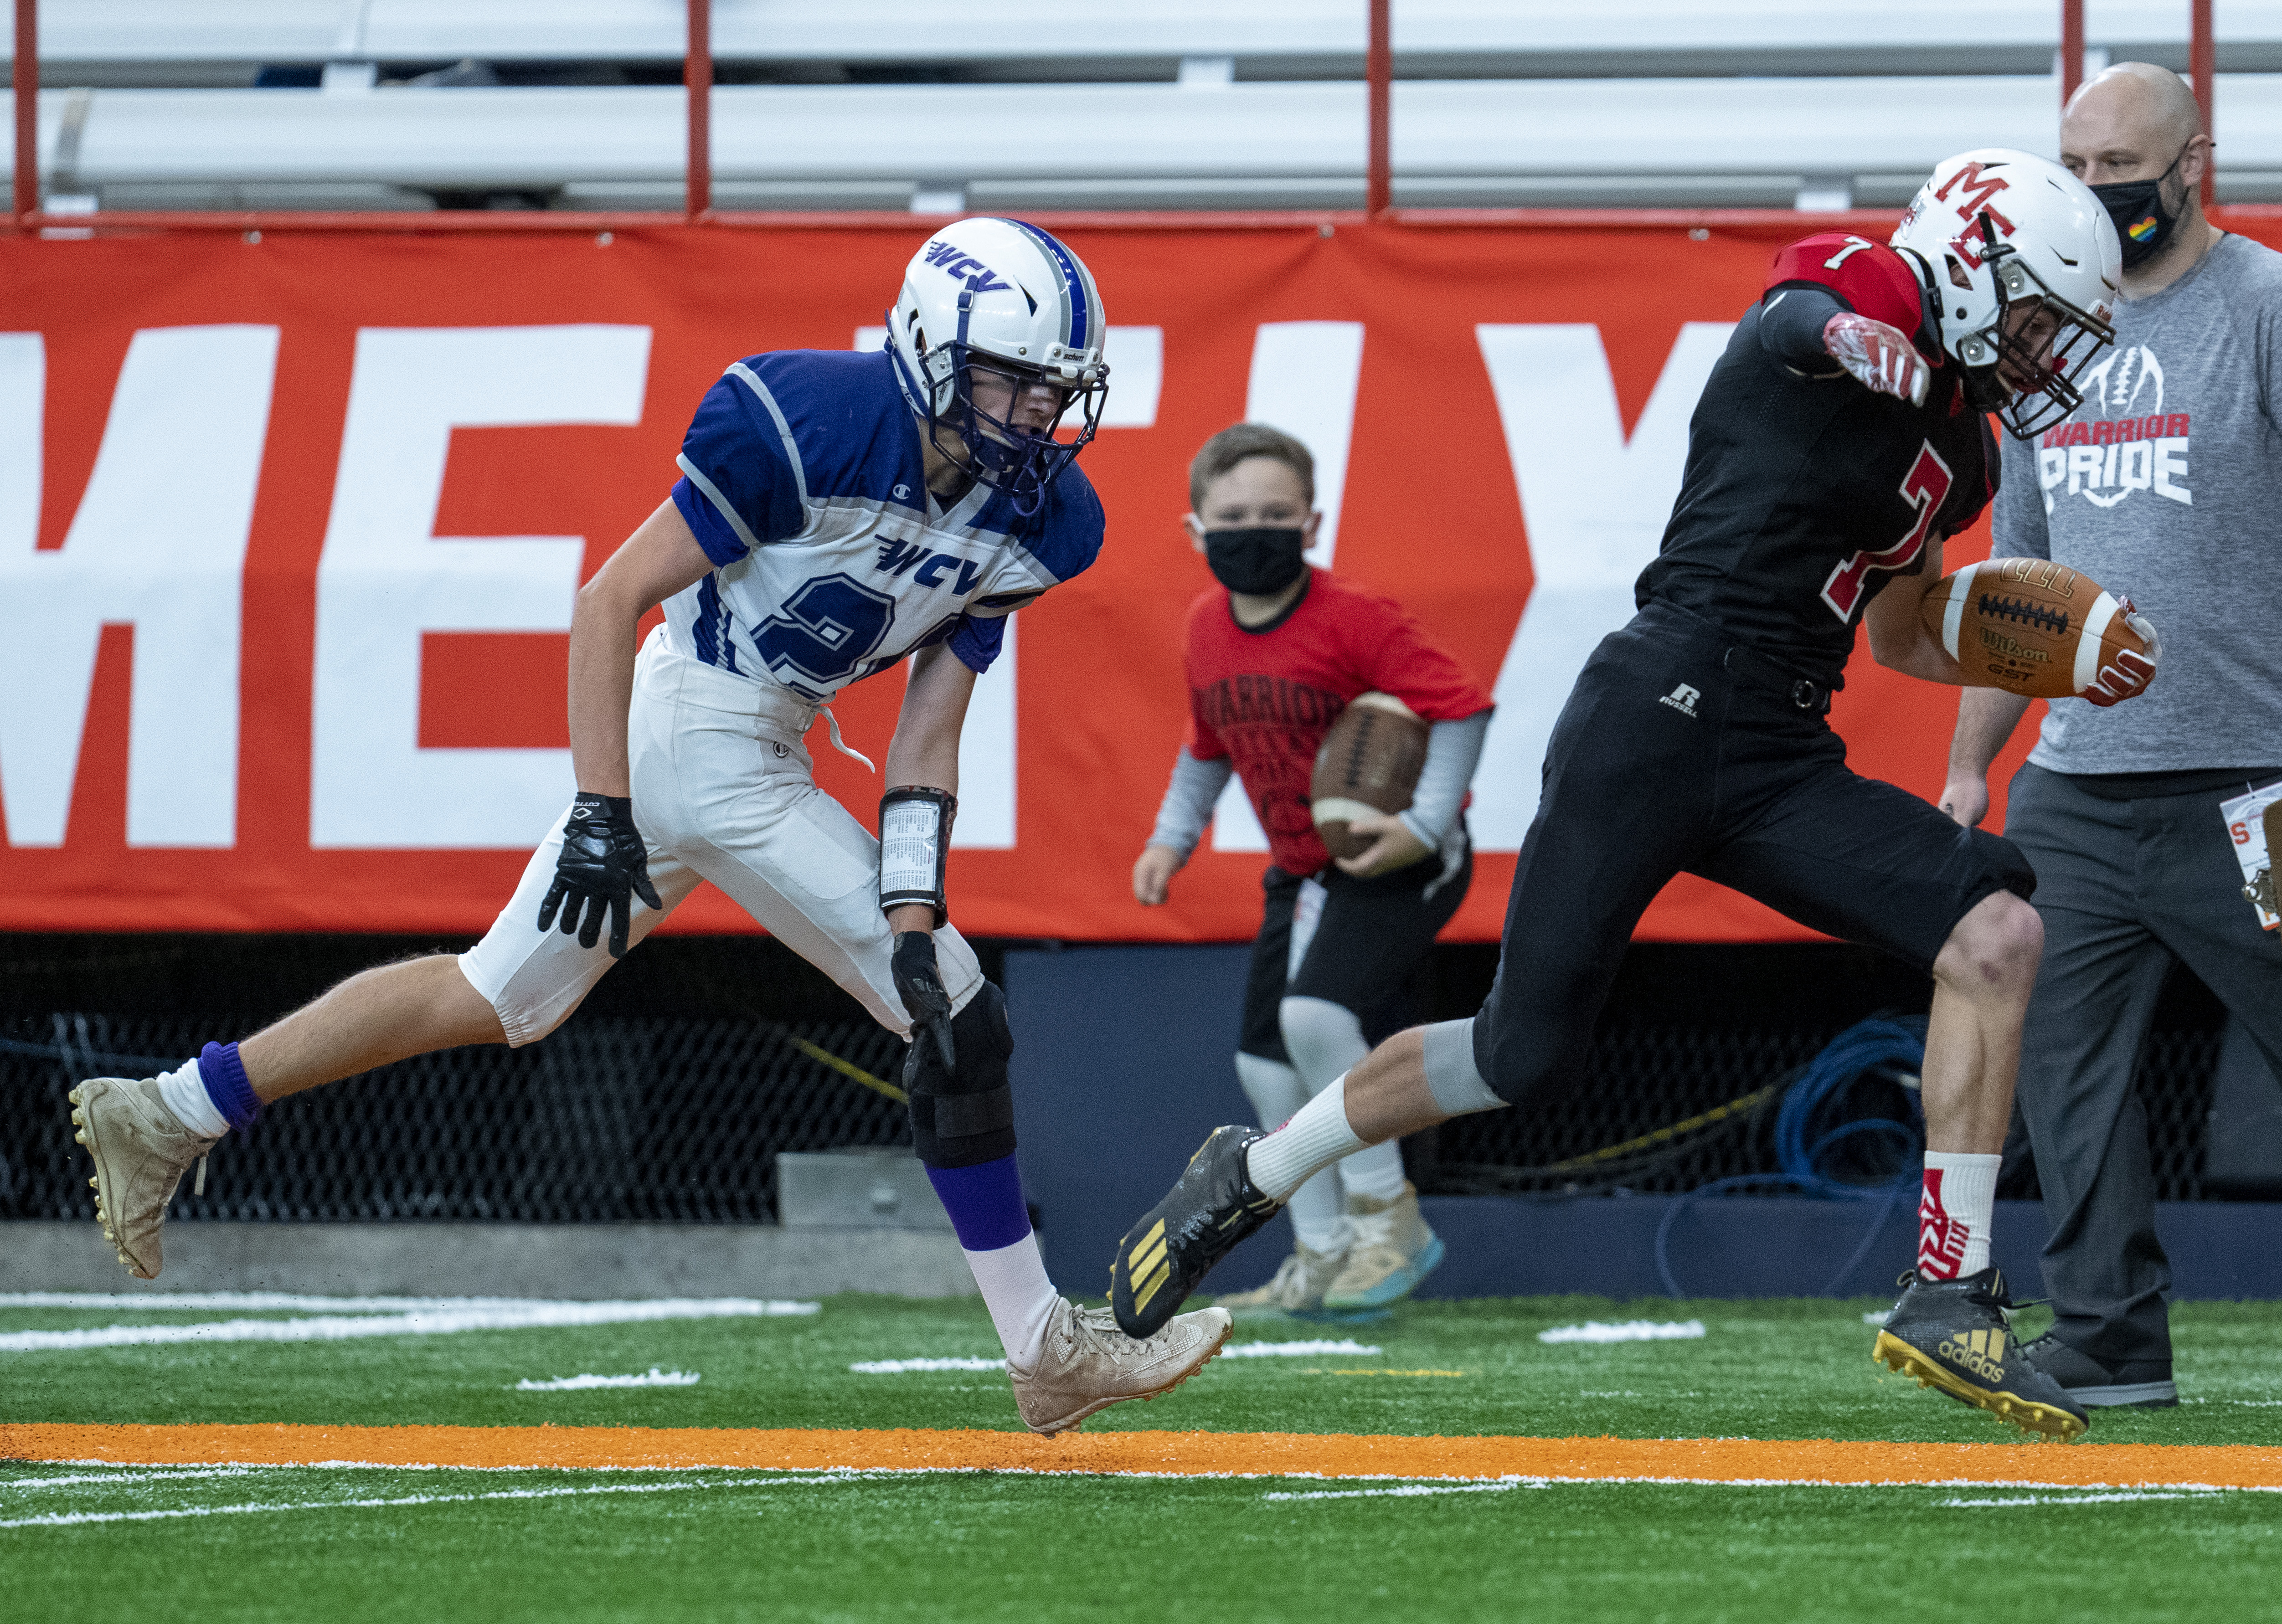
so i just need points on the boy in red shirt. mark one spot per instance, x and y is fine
(1272, 661)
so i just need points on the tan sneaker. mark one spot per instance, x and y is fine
(1301, 1281)
(141, 1150)
(1089, 1365)
(1391, 1251)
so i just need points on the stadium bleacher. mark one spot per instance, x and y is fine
(897, 105)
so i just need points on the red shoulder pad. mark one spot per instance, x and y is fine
(1872, 278)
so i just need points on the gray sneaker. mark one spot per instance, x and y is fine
(1089, 1365)
(141, 1150)
(2144, 1384)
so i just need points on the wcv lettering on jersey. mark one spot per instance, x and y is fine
(898, 558)
(2133, 443)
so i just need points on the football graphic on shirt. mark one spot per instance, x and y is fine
(2031, 627)
(1368, 762)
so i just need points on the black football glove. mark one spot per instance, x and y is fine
(920, 985)
(602, 860)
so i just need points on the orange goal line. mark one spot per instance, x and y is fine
(1708, 1460)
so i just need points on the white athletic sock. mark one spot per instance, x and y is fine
(185, 1091)
(1375, 1174)
(1319, 1216)
(1955, 1213)
(1318, 1209)
(1312, 1140)
(1020, 1297)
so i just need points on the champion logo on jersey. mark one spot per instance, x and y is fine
(2133, 443)
(1682, 699)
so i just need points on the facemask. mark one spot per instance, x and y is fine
(1257, 561)
(2142, 225)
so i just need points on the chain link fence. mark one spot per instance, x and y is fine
(669, 1097)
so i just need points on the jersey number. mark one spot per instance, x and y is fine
(1923, 488)
(825, 631)
(1854, 245)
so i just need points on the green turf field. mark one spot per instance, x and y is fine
(250, 1543)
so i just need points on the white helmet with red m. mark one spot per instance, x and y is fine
(2020, 264)
(1003, 296)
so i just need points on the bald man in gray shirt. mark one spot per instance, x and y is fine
(2166, 484)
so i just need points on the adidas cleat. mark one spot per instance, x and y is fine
(1392, 1250)
(1167, 1253)
(1089, 1365)
(1953, 1335)
(141, 1150)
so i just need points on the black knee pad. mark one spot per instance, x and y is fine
(966, 1118)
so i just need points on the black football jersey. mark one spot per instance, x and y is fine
(1804, 494)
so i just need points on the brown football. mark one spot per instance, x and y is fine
(1368, 762)
(2029, 626)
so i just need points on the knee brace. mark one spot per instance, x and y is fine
(966, 1118)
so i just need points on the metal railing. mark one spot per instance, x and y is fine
(699, 204)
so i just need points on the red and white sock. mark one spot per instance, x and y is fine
(1954, 1214)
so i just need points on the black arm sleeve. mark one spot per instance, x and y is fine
(1791, 321)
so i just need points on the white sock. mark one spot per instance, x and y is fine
(1312, 1140)
(1020, 1297)
(185, 1091)
(1319, 1216)
(1955, 1213)
(1318, 1209)
(1375, 1174)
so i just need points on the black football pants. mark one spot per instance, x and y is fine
(1681, 751)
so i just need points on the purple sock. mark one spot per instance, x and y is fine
(226, 1085)
(985, 1204)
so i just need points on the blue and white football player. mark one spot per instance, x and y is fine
(838, 513)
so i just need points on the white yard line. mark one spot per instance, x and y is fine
(2103, 1499)
(1405, 1490)
(1629, 1331)
(453, 1316)
(69, 1519)
(656, 1377)
(1295, 1350)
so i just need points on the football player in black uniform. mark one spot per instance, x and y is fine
(1841, 437)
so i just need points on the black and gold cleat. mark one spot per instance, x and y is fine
(1953, 1335)
(1167, 1253)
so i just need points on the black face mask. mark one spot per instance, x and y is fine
(1257, 561)
(2142, 225)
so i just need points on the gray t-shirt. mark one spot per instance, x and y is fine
(2166, 485)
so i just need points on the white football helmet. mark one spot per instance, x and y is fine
(1994, 228)
(1011, 296)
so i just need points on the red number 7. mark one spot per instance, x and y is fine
(1923, 488)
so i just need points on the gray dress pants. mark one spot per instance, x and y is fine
(2126, 888)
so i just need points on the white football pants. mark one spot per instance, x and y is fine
(723, 790)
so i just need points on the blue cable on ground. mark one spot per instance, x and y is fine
(1865, 1048)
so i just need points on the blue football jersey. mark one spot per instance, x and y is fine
(802, 479)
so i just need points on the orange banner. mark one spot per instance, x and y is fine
(289, 530)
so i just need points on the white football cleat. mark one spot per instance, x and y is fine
(141, 1150)
(1300, 1280)
(1089, 1363)
(1392, 1250)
